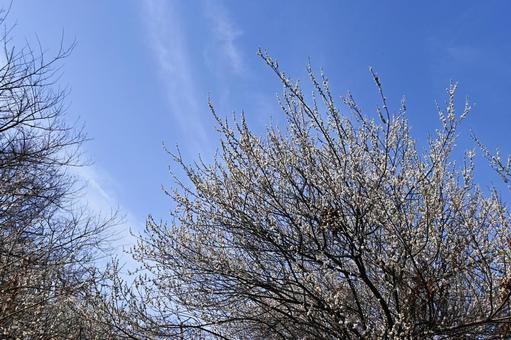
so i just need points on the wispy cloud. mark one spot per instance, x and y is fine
(97, 185)
(225, 33)
(464, 54)
(96, 195)
(168, 42)
(99, 197)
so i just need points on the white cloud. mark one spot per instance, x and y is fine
(99, 197)
(464, 54)
(225, 34)
(168, 42)
(95, 194)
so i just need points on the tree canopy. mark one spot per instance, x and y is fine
(335, 227)
(49, 242)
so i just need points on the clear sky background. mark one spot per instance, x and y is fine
(142, 71)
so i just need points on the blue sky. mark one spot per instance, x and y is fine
(142, 71)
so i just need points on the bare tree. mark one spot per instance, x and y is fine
(48, 244)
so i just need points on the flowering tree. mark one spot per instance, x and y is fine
(47, 245)
(337, 227)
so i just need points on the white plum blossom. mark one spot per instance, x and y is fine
(337, 227)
